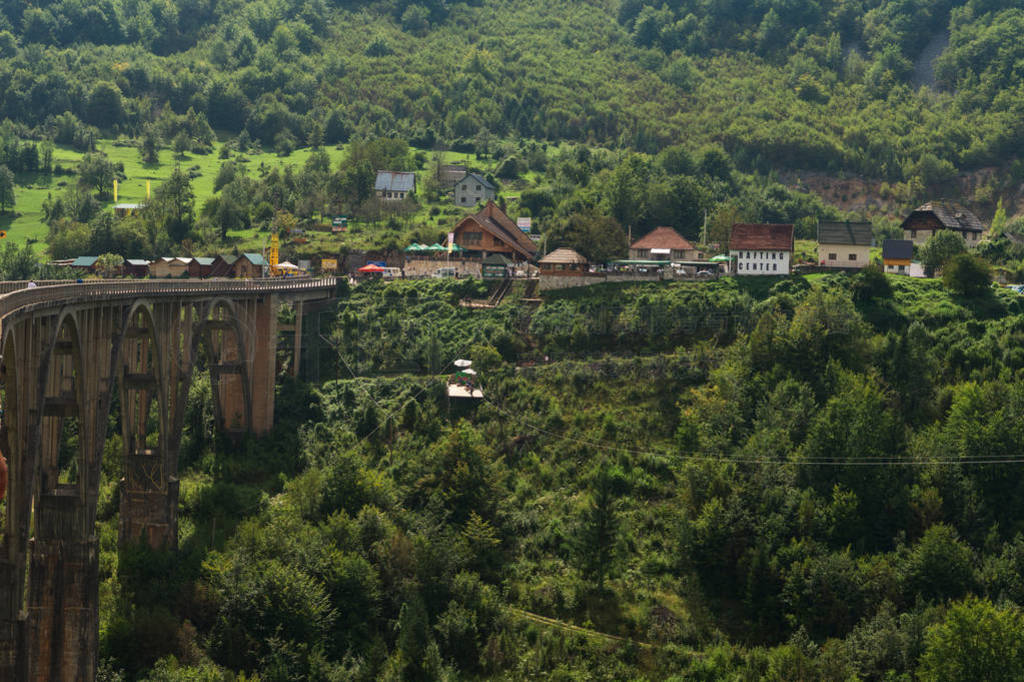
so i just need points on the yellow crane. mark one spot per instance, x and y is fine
(273, 259)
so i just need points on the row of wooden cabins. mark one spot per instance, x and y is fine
(242, 266)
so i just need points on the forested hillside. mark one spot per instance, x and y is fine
(600, 119)
(790, 85)
(789, 480)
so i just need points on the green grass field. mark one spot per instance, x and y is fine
(26, 225)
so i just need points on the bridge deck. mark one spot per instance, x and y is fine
(17, 295)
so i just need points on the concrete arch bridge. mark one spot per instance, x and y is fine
(66, 350)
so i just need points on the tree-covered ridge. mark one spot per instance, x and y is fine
(813, 85)
(807, 479)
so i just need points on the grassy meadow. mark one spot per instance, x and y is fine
(26, 224)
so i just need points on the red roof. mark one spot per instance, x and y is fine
(662, 238)
(762, 236)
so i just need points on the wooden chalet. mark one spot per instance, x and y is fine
(249, 265)
(223, 266)
(201, 267)
(136, 267)
(169, 267)
(84, 263)
(936, 216)
(491, 231)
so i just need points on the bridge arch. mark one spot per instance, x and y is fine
(61, 405)
(62, 581)
(224, 343)
(148, 474)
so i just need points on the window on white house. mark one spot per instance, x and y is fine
(913, 234)
(831, 256)
(775, 267)
(463, 199)
(902, 268)
(853, 256)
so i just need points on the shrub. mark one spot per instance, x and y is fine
(967, 275)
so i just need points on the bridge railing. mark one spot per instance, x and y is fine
(12, 299)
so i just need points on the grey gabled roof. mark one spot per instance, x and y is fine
(855, 234)
(395, 181)
(482, 180)
(897, 249)
(953, 216)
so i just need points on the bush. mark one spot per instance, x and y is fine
(967, 275)
(871, 283)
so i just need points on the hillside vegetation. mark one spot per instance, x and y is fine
(814, 86)
(783, 480)
(792, 85)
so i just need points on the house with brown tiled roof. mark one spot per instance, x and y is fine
(491, 231)
(663, 243)
(935, 216)
(761, 248)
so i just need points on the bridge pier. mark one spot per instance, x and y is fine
(263, 374)
(63, 616)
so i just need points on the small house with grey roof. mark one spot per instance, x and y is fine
(472, 189)
(897, 255)
(394, 185)
(844, 245)
(936, 216)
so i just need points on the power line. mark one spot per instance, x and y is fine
(812, 461)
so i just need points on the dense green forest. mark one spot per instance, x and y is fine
(767, 479)
(825, 85)
(575, 107)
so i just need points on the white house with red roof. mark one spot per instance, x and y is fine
(761, 248)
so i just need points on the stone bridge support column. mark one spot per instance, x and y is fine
(24, 341)
(263, 361)
(63, 594)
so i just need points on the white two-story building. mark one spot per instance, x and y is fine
(761, 248)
